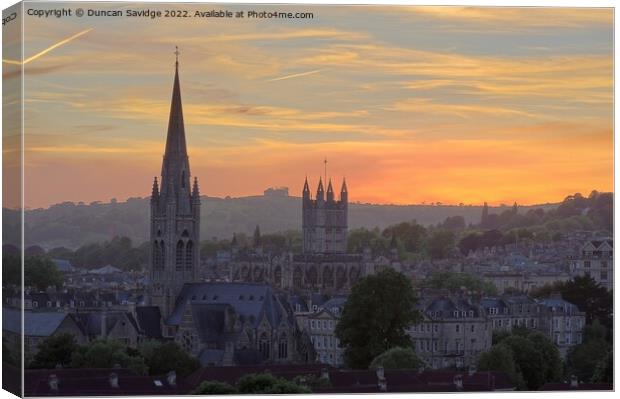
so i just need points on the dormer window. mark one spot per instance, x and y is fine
(455, 313)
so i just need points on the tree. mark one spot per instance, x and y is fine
(584, 359)
(500, 358)
(529, 361)
(55, 350)
(41, 272)
(397, 358)
(163, 357)
(214, 388)
(455, 281)
(440, 243)
(375, 316)
(11, 269)
(604, 371)
(268, 384)
(106, 354)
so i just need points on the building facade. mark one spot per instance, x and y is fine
(175, 215)
(596, 259)
(453, 332)
(324, 220)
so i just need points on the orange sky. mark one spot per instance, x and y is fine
(412, 105)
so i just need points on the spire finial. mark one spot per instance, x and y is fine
(176, 53)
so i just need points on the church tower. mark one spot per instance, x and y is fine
(175, 215)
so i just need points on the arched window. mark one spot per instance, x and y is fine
(162, 253)
(189, 255)
(283, 347)
(179, 256)
(263, 346)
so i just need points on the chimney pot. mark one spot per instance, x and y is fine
(171, 377)
(574, 382)
(53, 382)
(113, 380)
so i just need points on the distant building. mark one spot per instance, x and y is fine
(453, 332)
(37, 327)
(175, 215)
(596, 259)
(560, 321)
(236, 323)
(276, 192)
(321, 325)
(324, 220)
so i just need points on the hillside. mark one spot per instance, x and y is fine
(72, 225)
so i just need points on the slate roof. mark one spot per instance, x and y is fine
(149, 321)
(250, 300)
(63, 265)
(39, 324)
(108, 269)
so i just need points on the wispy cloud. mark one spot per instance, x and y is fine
(48, 49)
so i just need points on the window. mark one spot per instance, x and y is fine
(414, 328)
(604, 264)
(471, 313)
(312, 324)
(436, 328)
(35, 304)
(324, 324)
(189, 256)
(263, 346)
(458, 328)
(179, 255)
(586, 263)
(603, 275)
(283, 348)
(455, 313)
(472, 328)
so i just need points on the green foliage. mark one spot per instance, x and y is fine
(11, 270)
(586, 360)
(268, 384)
(535, 359)
(106, 354)
(41, 272)
(55, 350)
(311, 380)
(375, 316)
(397, 358)
(441, 244)
(413, 236)
(500, 358)
(358, 239)
(604, 371)
(163, 357)
(214, 388)
(454, 281)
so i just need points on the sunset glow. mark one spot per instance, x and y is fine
(421, 104)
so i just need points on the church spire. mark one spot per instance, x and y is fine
(330, 191)
(175, 172)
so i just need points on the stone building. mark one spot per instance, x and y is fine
(321, 325)
(560, 321)
(596, 259)
(324, 220)
(453, 332)
(175, 215)
(236, 323)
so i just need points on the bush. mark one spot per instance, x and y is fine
(214, 388)
(397, 358)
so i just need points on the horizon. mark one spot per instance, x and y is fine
(228, 197)
(406, 102)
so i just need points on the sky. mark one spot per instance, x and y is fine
(410, 104)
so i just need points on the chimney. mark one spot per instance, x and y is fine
(381, 381)
(458, 382)
(53, 382)
(325, 374)
(171, 377)
(113, 380)
(574, 382)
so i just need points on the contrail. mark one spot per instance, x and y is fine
(47, 50)
(295, 75)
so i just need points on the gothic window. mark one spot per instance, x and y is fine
(162, 253)
(179, 256)
(157, 260)
(189, 255)
(277, 276)
(283, 347)
(263, 346)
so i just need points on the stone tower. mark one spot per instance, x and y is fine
(175, 215)
(324, 220)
